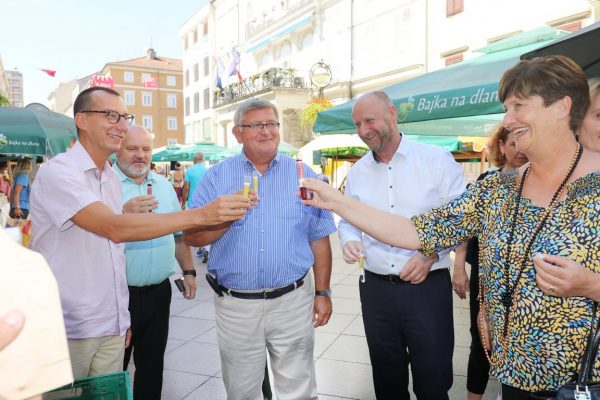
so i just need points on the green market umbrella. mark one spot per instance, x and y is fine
(165, 152)
(211, 151)
(581, 46)
(458, 100)
(284, 148)
(32, 132)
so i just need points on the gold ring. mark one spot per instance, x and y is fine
(551, 288)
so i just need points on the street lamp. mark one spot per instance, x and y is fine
(320, 76)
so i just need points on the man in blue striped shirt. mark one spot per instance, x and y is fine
(265, 296)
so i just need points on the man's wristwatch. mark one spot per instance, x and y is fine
(325, 293)
(189, 272)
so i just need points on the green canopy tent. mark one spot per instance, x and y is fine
(581, 46)
(211, 151)
(165, 152)
(33, 132)
(462, 147)
(460, 100)
(284, 148)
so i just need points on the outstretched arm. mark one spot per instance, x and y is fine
(388, 228)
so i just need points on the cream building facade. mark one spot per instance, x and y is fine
(368, 45)
(14, 89)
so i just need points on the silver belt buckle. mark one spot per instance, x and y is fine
(580, 394)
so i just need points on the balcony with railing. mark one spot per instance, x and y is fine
(287, 78)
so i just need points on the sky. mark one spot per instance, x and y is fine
(78, 37)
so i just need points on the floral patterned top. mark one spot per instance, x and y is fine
(548, 333)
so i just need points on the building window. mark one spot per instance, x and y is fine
(129, 97)
(454, 59)
(185, 43)
(128, 76)
(171, 101)
(307, 40)
(205, 28)
(172, 123)
(206, 131)
(146, 99)
(187, 106)
(206, 96)
(264, 60)
(196, 102)
(187, 77)
(171, 80)
(147, 121)
(285, 50)
(194, 36)
(146, 77)
(196, 72)
(454, 7)
(206, 70)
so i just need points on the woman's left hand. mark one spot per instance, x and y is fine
(562, 277)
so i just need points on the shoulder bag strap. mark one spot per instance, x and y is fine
(591, 351)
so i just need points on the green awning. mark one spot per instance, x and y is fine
(451, 143)
(458, 100)
(211, 151)
(32, 132)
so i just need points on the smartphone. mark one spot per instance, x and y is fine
(150, 194)
(179, 284)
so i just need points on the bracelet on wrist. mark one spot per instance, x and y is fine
(189, 272)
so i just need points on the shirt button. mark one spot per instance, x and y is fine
(390, 186)
(262, 231)
(392, 265)
(262, 250)
(389, 168)
(392, 206)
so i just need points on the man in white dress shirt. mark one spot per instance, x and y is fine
(406, 297)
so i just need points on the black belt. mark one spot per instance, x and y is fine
(396, 278)
(265, 294)
(141, 289)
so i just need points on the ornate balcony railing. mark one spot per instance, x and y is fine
(259, 83)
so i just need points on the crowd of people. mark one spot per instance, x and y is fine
(113, 235)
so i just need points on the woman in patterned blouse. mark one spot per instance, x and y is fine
(538, 228)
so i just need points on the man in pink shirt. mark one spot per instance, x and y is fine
(79, 227)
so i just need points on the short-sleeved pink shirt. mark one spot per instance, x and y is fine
(90, 269)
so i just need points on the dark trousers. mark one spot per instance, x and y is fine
(511, 393)
(407, 323)
(149, 309)
(478, 369)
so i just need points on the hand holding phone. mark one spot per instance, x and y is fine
(180, 285)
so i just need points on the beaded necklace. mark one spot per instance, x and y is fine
(508, 297)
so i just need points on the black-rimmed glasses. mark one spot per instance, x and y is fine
(258, 126)
(114, 117)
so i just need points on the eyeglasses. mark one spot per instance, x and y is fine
(114, 117)
(258, 126)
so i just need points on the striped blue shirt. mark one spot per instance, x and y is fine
(270, 246)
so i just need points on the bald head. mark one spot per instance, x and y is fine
(374, 116)
(374, 98)
(135, 154)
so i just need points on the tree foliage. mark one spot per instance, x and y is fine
(310, 111)
(4, 102)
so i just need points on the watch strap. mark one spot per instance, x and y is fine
(189, 272)
(326, 293)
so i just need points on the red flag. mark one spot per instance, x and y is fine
(50, 72)
(151, 82)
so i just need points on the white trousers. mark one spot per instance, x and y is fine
(284, 327)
